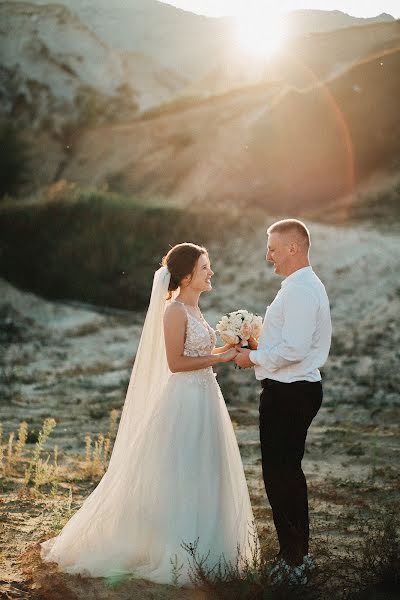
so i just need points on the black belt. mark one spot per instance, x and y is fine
(268, 382)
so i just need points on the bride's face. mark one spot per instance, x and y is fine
(201, 277)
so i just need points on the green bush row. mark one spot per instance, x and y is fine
(94, 247)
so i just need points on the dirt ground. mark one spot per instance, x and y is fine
(72, 362)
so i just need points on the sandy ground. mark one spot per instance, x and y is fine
(73, 362)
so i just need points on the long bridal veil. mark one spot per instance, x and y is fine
(80, 547)
(149, 374)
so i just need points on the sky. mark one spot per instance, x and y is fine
(358, 8)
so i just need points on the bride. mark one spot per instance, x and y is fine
(175, 474)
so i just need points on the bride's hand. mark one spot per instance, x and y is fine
(228, 355)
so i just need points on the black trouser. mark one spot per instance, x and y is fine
(286, 412)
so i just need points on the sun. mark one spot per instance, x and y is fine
(260, 35)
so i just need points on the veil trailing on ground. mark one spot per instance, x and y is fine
(149, 374)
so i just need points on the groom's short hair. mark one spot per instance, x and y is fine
(291, 225)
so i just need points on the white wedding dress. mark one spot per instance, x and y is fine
(184, 481)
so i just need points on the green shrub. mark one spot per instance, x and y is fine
(95, 247)
(14, 161)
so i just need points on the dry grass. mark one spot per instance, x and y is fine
(27, 468)
(356, 552)
(367, 562)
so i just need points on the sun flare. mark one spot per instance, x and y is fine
(260, 35)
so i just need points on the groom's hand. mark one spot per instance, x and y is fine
(242, 359)
(253, 344)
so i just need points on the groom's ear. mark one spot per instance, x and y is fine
(293, 247)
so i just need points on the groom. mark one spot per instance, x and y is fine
(293, 345)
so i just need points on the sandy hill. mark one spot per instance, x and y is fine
(298, 132)
(188, 44)
(56, 71)
(318, 145)
(307, 59)
(179, 40)
(304, 60)
(54, 68)
(307, 21)
(255, 145)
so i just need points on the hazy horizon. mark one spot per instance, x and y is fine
(219, 8)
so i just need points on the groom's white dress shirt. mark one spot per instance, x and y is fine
(296, 335)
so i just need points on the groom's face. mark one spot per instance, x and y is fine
(278, 252)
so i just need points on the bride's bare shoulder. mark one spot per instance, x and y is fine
(175, 312)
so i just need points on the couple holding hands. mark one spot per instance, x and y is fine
(175, 475)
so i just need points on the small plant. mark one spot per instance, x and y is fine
(62, 512)
(113, 423)
(176, 569)
(10, 456)
(94, 455)
(39, 471)
(22, 437)
(97, 454)
(242, 578)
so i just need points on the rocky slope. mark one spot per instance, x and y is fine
(80, 61)
(318, 21)
(318, 57)
(303, 61)
(256, 145)
(57, 70)
(180, 40)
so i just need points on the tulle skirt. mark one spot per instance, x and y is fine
(183, 482)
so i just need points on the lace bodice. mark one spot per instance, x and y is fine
(200, 337)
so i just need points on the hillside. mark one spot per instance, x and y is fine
(318, 21)
(256, 145)
(316, 146)
(303, 61)
(56, 70)
(309, 59)
(181, 41)
(182, 49)
(244, 132)
(185, 42)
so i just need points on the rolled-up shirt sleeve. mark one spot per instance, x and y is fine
(300, 310)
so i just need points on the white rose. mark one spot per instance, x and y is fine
(245, 331)
(235, 320)
(248, 319)
(222, 326)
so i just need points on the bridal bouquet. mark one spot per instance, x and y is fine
(238, 326)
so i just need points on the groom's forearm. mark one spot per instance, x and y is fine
(278, 357)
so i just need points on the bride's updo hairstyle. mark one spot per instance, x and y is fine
(181, 261)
